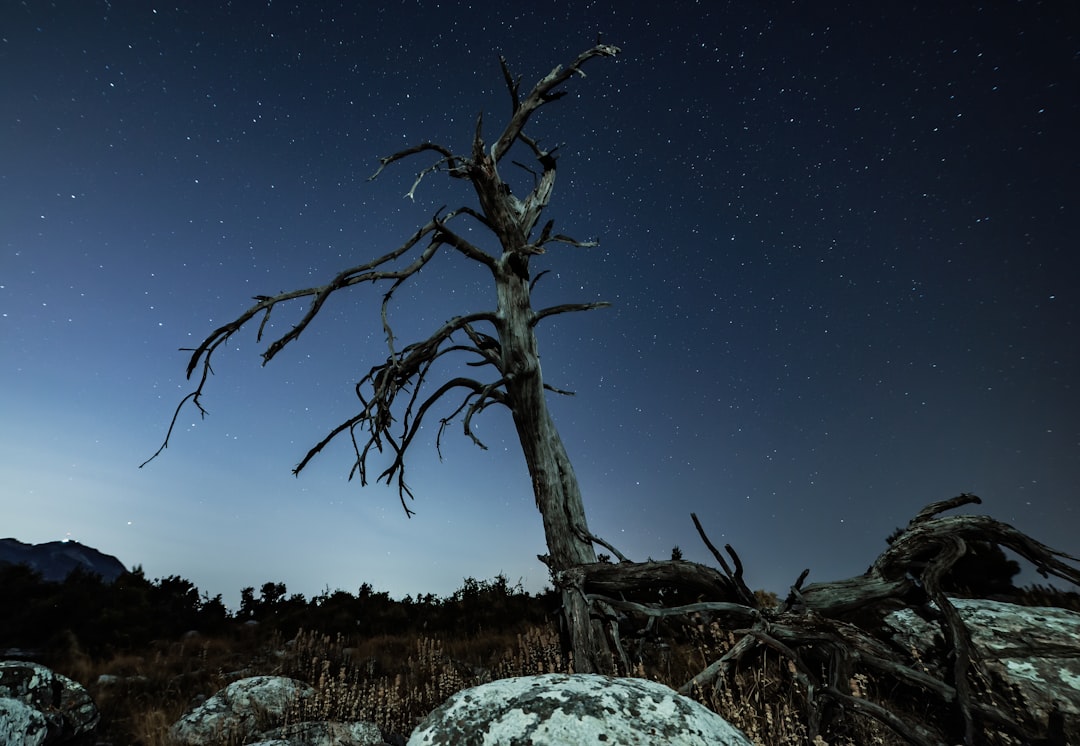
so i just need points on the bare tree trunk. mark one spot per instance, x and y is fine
(558, 496)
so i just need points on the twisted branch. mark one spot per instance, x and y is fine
(828, 631)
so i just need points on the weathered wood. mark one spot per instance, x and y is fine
(838, 598)
(690, 577)
(735, 577)
(830, 631)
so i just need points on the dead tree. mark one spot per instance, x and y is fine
(394, 396)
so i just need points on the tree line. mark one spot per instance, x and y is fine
(134, 611)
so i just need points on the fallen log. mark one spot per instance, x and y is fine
(831, 631)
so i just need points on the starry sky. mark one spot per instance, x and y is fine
(840, 243)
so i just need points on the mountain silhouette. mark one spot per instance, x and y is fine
(55, 560)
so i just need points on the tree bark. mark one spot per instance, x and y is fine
(555, 486)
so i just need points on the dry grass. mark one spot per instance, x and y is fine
(394, 681)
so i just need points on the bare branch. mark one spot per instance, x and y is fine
(616, 579)
(605, 545)
(566, 308)
(559, 237)
(718, 668)
(479, 398)
(194, 395)
(447, 156)
(731, 614)
(532, 284)
(544, 92)
(744, 594)
(363, 273)
(708, 543)
(465, 210)
(560, 392)
(367, 272)
(934, 509)
(914, 732)
(406, 371)
(447, 236)
(411, 194)
(513, 85)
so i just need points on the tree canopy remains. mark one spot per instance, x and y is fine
(396, 396)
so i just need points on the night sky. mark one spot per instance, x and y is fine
(840, 245)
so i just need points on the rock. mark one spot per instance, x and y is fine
(240, 711)
(254, 711)
(22, 724)
(65, 708)
(557, 709)
(1032, 650)
(111, 680)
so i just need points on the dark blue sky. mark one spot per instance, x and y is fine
(840, 243)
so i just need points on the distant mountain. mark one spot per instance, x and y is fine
(56, 559)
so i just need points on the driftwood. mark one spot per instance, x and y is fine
(831, 631)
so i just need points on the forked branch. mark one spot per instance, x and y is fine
(542, 93)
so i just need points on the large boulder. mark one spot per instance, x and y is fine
(255, 711)
(559, 709)
(65, 708)
(1032, 651)
(22, 724)
(240, 711)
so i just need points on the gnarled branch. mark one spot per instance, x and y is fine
(406, 371)
(828, 632)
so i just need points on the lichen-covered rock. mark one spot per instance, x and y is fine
(559, 709)
(254, 711)
(240, 711)
(1033, 650)
(66, 708)
(22, 724)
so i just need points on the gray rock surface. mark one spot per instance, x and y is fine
(1033, 649)
(240, 711)
(22, 724)
(560, 709)
(254, 711)
(64, 706)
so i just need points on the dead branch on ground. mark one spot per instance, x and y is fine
(829, 632)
